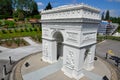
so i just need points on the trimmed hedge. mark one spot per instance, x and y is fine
(23, 32)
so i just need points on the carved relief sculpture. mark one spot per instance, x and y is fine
(72, 37)
(70, 60)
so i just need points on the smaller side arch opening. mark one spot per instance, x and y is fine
(59, 39)
(86, 53)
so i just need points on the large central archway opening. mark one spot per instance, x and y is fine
(59, 39)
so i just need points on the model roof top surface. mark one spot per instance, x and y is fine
(70, 7)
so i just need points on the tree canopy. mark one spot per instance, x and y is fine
(5, 8)
(24, 8)
(115, 20)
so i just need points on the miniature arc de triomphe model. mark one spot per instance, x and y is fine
(70, 32)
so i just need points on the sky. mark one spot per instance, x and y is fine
(112, 5)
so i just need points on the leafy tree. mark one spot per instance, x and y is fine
(6, 8)
(116, 20)
(28, 7)
(12, 8)
(49, 6)
(107, 17)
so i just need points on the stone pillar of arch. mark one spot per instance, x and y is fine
(67, 32)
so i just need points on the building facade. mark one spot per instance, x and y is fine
(107, 28)
(70, 32)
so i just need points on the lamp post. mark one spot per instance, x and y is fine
(4, 69)
(10, 60)
(106, 56)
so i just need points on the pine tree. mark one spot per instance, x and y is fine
(107, 17)
(49, 6)
(35, 9)
(102, 17)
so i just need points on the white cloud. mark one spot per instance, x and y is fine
(40, 9)
(115, 13)
(39, 3)
(113, 0)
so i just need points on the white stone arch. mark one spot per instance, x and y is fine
(56, 31)
(78, 31)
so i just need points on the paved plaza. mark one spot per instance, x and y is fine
(53, 71)
(106, 45)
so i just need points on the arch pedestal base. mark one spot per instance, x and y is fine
(49, 61)
(73, 73)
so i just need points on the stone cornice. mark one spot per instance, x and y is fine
(70, 7)
(85, 20)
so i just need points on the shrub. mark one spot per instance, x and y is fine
(35, 29)
(26, 30)
(101, 38)
(22, 30)
(4, 31)
(9, 42)
(10, 24)
(31, 29)
(40, 29)
(18, 42)
(16, 19)
(0, 42)
(39, 39)
(15, 30)
(10, 31)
